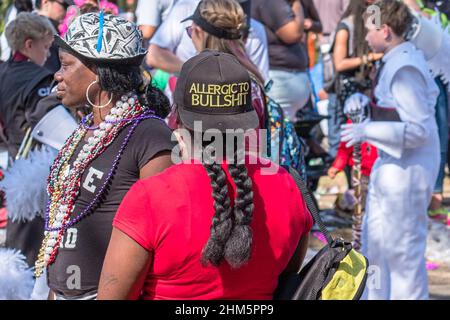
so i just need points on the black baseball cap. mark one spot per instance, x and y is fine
(215, 88)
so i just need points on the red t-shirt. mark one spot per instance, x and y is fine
(170, 215)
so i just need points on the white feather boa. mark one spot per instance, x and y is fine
(440, 63)
(16, 278)
(25, 185)
(433, 39)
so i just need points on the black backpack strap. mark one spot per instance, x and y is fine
(310, 202)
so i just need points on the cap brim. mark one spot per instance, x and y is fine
(222, 122)
(187, 19)
(136, 60)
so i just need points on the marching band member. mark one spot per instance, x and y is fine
(403, 128)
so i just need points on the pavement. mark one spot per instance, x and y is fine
(327, 192)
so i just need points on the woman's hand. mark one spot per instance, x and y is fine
(308, 24)
(372, 56)
(332, 172)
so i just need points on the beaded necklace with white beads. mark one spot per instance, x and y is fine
(64, 181)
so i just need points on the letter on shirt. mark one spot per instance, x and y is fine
(88, 182)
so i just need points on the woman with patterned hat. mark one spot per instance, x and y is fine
(124, 139)
(220, 225)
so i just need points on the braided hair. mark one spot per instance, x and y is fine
(231, 235)
(228, 15)
(239, 245)
(222, 223)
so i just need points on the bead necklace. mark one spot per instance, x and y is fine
(64, 182)
(88, 118)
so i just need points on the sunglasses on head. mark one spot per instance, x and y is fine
(189, 31)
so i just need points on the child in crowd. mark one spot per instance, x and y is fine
(403, 128)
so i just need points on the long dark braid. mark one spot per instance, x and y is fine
(231, 235)
(222, 222)
(239, 245)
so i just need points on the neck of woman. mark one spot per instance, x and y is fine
(99, 114)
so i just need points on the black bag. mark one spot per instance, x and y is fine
(337, 271)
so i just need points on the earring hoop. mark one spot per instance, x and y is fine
(89, 100)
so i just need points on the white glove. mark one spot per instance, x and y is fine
(353, 133)
(386, 136)
(355, 103)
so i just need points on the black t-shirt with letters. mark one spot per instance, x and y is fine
(76, 270)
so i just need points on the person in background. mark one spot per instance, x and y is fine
(312, 27)
(55, 11)
(403, 128)
(284, 25)
(219, 25)
(150, 14)
(208, 228)
(436, 210)
(352, 58)
(23, 79)
(17, 7)
(72, 12)
(24, 82)
(353, 63)
(171, 46)
(312, 21)
(345, 159)
(330, 14)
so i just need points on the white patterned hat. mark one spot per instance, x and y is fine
(102, 38)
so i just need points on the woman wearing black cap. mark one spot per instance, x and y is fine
(122, 140)
(220, 225)
(221, 25)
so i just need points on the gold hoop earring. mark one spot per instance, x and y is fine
(89, 100)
